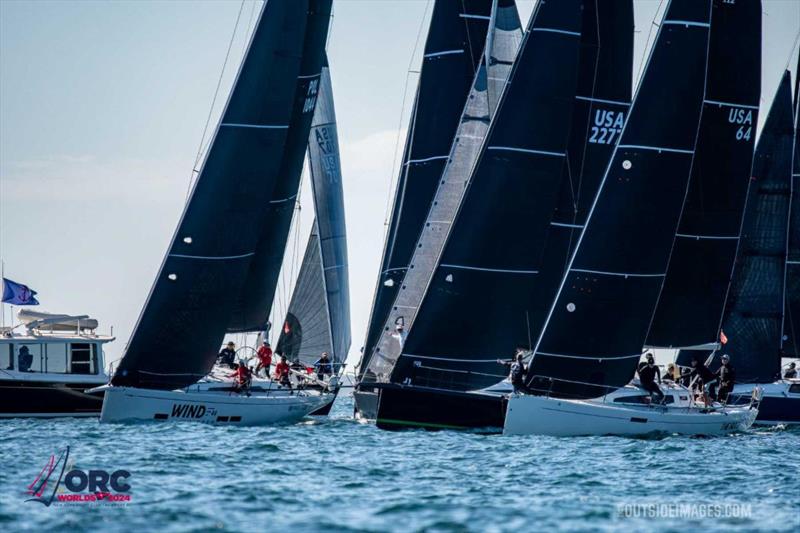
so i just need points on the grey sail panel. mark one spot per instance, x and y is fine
(254, 303)
(693, 297)
(754, 311)
(452, 54)
(494, 245)
(505, 35)
(326, 183)
(183, 321)
(791, 324)
(306, 331)
(597, 325)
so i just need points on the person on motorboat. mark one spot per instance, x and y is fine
(282, 372)
(323, 366)
(243, 375)
(670, 375)
(648, 373)
(228, 356)
(517, 369)
(727, 378)
(791, 372)
(264, 354)
(702, 379)
(25, 359)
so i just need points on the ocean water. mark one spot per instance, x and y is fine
(336, 474)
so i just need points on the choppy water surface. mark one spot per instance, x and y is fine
(336, 474)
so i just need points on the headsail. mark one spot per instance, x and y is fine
(180, 328)
(318, 317)
(754, 311)
(692, 300)
(452, 54)
(598, 323)
(254, 303)
(502, 43)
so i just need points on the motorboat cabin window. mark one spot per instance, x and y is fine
(29, 357)
(7, 357)
(56, 358)
(84, 358)
(794, 389)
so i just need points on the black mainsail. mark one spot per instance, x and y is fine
(211, 255)
(254, 303)
(791, 320)
(318, 318)
(693, 297)
(598, 323)
(452, 54)
(754, 311)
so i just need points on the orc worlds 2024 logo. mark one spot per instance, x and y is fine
(60, 482)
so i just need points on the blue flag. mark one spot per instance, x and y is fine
(18, 294)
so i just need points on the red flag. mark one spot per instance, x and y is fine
(286, 328)
(722, 338)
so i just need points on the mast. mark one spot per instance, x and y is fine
(791, 324)
(452, 54)
(692, 300)
(184, 319)
(597, 325)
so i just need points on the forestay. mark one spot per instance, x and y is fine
(691, 303)
(754, 311)
(502, 44)
(176, 338)
(493, 250)
(597, 325)
(452, 54)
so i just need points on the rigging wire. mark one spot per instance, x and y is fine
(653, 24)
(409, 71)
(200, 149)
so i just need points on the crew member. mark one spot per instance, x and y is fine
(669, 375)
(282, 372)
(323, 366)
(25, 359)
(648, 373)
(264, 357)
(243, 376)
(791, 372)
(517, 371)
(727, 378)
(228, 355)
(702, 378)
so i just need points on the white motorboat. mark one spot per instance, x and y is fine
(627, 411)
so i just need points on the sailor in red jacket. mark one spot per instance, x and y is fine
(243, 376)
(264, 357)
(282, 372)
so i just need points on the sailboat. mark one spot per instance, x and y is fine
(592, 340)
(518, 243)
(759, 304)
(452, 55)
(222, 267)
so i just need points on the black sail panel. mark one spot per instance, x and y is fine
(693, 297)
(252, 308)
(306, 331)
(791, 324)
(183, 321)
(598, 322)
(754, 311)
(452, 54)
(326, 182)
(493, 249)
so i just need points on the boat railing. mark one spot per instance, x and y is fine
(450, 378)
(550, 383)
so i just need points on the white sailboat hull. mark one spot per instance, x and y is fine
(539, 415)
(125, 404)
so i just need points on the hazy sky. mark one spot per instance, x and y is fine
(102, 108)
